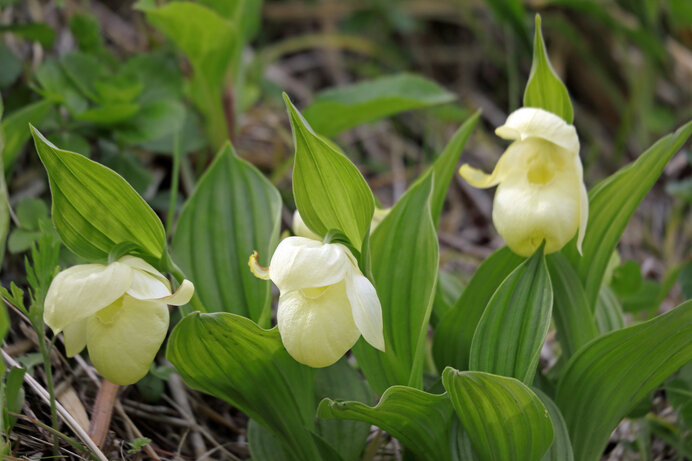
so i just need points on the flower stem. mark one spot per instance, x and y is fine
(45, 354)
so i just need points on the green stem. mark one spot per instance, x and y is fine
(173, 268)
(45, 353)
(173, 201)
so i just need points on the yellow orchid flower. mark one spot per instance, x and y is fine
(118, 311)
(541, 193)
(325, 302)
(302, 230)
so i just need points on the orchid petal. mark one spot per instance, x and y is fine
(366, 309)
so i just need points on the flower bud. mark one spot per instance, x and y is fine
(119, 312)
(541, 194)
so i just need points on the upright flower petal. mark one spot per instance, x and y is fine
(123, 338)
(301, 229)
(80, 291)
(366, 309)
(299, 262)
(316, 325)
(531, 122)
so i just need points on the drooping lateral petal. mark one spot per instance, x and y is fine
(80, 291)
(529, 122)
(366, 309)
(75, 337)
(141, 265)
(505, 165)
(299, 262)
(181, 296)
(124, 338)
(317, 331)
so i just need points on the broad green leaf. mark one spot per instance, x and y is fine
(329, 190)
(112, 114)
(574, 321)
(231, 358)
(447, 291)
(405, 258)
(561, 448)
(264, 446)
(608, 315)
(94, 208)
(420, 421)
(153, 121)
(454, 333)
(505, 420)
(544, 88)
(10, 67)
(445, 166)
(210, 42)
(35, 31)
(339, 109)
(611, 205)
(606, 378)
(15, 130)
(83, 70)
(57, 87)
(245, 14)
(341, 381)
(513, 327)
(233, 211)
(4, 219)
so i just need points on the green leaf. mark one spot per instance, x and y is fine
(561, 448)
(452, 341)
(83, 70)
(608, 315)
(405, 258)
(339, 109)
(233, 211)
(231, 358)
(210, 42)
(57, 87)
(605, 379)
(574, 321)
(505, 420)
(329, 190)
(153, 121)
(544, 88)
(36, 32)
(95, 209)
(10, 67)
(511, 332)
(611, 205)
(15, 130)
(14, 396)
(263, 445)
(444, 166)
(30, 211)
(4, 218)
(112, 114)
(420, 421)
(512, 13)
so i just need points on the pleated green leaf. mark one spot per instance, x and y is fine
(544, 88)
(405, 257)
(231, 358)
(608, 377)
(611, 205)
(420, 421)
(94, 208)
(15, 129)
(233, 211)
(339, 109)
(511, 331)
(609, 315)
(4, 214)
(444, 166)
(561, 448)
(329, 190)
(504, 419)
(574, 321)
(454, 333)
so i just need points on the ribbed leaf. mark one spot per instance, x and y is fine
(444, 166)
(233, 211)
(512, 330)
(544, 88)
(329, 190)
(405, 257)
(340, 109)
(420, 421)
(573, 318)
(561, 448)
(4, 211)
(605, 379)
(608, 315)
(611, 205)
(94, 208)
(452, 342)
(504, 419)
(231, 358)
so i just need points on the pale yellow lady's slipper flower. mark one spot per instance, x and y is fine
(325, 302)
(541, 194)
(119, 312)
(302, 230)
